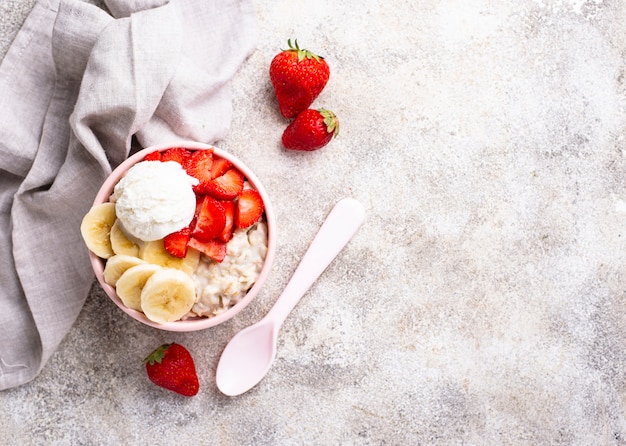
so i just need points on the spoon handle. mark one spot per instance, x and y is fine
(338, 228)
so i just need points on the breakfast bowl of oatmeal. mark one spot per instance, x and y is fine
(181, 236)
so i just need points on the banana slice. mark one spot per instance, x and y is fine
(96, 227)
(120, 243)
(131, 283)
(191, 261)
(168, 295)
(116, 266)
(154, 252)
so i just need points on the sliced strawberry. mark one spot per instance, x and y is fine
(176, 242)
(214, 248)
(249, 208)
(229, 213)
(153, 156)
(210, 221)
(177, 154)
(220, 166)
(199, 166)
(226, 186)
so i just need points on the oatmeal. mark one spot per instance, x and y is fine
(219, 286)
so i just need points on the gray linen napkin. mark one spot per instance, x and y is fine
(77, 84)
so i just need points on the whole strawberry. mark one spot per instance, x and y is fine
(311, 130)
(171, 366)
(298, 77)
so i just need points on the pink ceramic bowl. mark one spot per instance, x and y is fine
(199, 323)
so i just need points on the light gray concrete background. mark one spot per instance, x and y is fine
(482, 302)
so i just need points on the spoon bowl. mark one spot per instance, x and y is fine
(249, 355)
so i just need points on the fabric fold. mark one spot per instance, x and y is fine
(131, 65)
(78, 84)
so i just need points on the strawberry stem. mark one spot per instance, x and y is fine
(302, 53)
(157, 355)
(330, 120)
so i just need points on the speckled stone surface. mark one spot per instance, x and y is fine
(482, 302)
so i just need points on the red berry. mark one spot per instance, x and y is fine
(229, 213)
(177, 154)
(311, 130)
(176, 242)
(210, 221)
(298, 77)
(249, 208)
(153, 156)
(171, 366)
(214, 248)
(220, 166)
(199, 166)
(226, 186)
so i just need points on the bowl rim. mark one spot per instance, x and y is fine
(199, 323)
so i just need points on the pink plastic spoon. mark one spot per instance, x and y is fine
(249, 355)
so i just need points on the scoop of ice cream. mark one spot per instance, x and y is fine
(154, 199)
